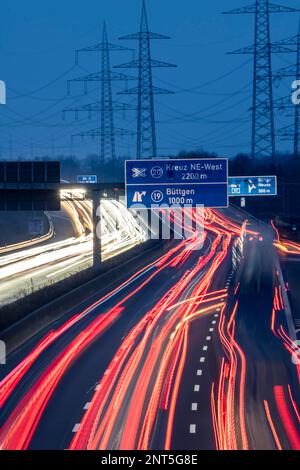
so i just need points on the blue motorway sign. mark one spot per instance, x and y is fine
(252, 186)
(177, 182)
(87, 179)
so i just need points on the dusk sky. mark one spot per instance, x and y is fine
(210, 107)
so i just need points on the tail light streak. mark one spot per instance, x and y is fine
(143, 379)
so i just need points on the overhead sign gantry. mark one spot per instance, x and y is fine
(29, 186)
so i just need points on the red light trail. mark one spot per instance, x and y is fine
(142, 382)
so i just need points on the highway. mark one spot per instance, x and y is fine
(289, 252)
(192, 351)
(29, 243)
(35, 264)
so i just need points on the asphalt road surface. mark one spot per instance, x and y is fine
(194, 351)
(38, 265)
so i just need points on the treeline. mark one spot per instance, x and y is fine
(287, 203)
(239, 165)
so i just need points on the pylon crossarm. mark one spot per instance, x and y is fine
(137, 64)
(144, 35)
(124, 106)
(96, 107)
(242, 10)
(91, 77)
(99, 133)
(155, 91)
(243, 50)
(121, 76)
(291, 41)
(290, 71)
(273, 8)
(122, 132)
(103, 47)
(99, 76)
(280, 48)
(275, 48)
(283, 103)
(286, 133)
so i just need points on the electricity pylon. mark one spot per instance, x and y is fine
(107, 131)
(263, 130)
(146, 133)
(290, 132)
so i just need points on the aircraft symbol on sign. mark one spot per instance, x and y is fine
(139, 172)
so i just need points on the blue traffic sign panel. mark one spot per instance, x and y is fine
(87, 179)
(252, 186)
(177, 182)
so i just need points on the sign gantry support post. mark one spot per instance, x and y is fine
(93, 192)
(97, 246)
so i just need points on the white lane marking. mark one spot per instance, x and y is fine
(202, 359)
(199, 372)
(87, 405)
(194, 406)
(211, 330)
(116, 292)
(76, 427)
(196, 388)
(216, 315)
(214, 322)
(205, 348)
(192, 428)
(208, 338)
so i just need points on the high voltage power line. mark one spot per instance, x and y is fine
(263, 126)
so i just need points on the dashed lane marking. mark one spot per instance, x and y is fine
(192, 428)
